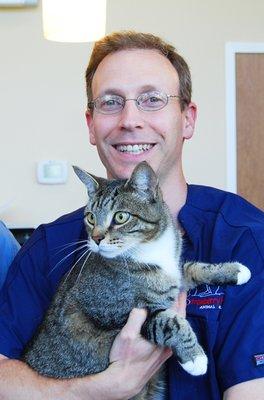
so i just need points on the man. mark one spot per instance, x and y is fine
(8, 249)
(140, 108)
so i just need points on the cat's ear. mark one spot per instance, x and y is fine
(144, 180)
(88, 180)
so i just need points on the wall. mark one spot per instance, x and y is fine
(42, 96)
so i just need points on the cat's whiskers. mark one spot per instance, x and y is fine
(67, 256)
(140, 264)
(79, 275)
(127, 268)
(68, 274)
(65, 246)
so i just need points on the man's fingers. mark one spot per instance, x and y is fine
(180, 304)
(182, 300)
(135, 321)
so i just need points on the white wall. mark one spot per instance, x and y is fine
(42, 95)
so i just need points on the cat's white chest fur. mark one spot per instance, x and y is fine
(160, 252)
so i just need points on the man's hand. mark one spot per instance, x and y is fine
(135, 359)
(180, 304)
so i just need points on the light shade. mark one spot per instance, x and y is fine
(74, 20)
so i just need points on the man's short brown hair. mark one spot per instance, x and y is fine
(125, 40)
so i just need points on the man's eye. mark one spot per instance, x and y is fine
(154, 99)
(109, 103)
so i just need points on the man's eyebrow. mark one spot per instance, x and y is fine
(148, 88)
(120, 92)
(111, 91)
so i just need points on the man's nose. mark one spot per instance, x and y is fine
(131, 117)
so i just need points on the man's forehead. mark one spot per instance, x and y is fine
(134, 70)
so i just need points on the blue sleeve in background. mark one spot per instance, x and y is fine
(8, 249)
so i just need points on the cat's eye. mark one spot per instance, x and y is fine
(90, 218)
(121, 217)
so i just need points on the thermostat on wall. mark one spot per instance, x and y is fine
(52, 172)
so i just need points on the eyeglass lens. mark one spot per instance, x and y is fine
(150, 101)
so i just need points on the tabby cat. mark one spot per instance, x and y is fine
(133, 260)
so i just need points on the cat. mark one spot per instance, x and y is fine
(133, 260)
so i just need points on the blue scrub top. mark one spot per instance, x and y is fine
(229, 321)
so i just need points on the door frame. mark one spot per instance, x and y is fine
(231, 49)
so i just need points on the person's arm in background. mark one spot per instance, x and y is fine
(8, 249)
(133, 361)
(246, 390)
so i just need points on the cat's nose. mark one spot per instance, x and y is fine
(98, 238)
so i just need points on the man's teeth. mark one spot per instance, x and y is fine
(134, 149)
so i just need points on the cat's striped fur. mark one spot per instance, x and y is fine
(135, 261)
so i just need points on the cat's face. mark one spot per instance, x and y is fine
(117, 225)
(121, 215)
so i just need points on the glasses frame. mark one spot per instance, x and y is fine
(92, 104)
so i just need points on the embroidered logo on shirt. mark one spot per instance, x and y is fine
(206, 297)
(259, 359)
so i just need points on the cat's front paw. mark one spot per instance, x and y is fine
(196, 367)
(243, 275)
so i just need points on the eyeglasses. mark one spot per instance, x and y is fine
(113, 104)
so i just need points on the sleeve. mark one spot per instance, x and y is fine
(24, 297)
(8, 249)
(240, 341)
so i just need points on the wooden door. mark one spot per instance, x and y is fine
(250, 126)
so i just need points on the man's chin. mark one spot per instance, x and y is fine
(122, 173)
(119, 175)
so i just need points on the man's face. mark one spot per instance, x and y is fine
(130, 73)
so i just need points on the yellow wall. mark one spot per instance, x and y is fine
(42, 95)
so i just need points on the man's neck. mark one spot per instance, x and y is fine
(174, 193)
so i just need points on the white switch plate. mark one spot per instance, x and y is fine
(52, 172)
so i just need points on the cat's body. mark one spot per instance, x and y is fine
(133, 261)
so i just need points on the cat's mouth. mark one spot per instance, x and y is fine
(134, 148)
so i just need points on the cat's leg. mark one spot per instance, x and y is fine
(197, 273)
(167, 328)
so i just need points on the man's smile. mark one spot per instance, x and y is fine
(134, 148)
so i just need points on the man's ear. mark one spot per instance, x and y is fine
(90, 124)
(189, 115)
